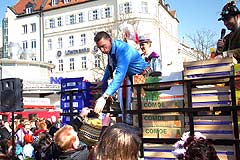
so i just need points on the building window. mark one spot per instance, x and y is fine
(67, 1)
(51, 23)
(29, 10)
(107, 12)
(144, 7)
(71, 41)
(24, 29)
(127, 7)
(83, 39)
(60, 43)
(25, 45)
(72, 19)
(60, 65)
(34, 43)
(71, 64)
(54, 2)
(60, 21)
(81, 17)
(95, 14)
(33, 25)
(84, 62)
(97, 61)
(49, 44)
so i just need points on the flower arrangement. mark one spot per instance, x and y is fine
(182, 145)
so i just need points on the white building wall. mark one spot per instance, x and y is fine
(16, 33)
(161, 27)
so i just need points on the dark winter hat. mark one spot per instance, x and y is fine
(230, 9)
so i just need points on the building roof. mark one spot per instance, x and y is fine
(20, 7)
(61, 3)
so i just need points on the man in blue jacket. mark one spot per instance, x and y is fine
(123, 59)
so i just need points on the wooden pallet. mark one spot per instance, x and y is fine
(213, 127)
(209, 68)
(210, 96)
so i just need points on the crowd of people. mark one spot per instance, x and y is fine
(40, 139)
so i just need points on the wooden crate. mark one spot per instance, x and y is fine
(160, 120)
(148, 105)
(158, 151)
(209, 68)
(162, 132)
(213, 127)
(225, 152)
(210, 96)
(169, 93)
(164, 151)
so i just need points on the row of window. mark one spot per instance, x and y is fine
(95, 14)
(55, 2)
(33, 28)
(71, 42)
(29, 6)
(83, 63)
(79, 17)
(33, 44)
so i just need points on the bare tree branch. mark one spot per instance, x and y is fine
(202, 41)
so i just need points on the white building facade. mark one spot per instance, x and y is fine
(62, 32)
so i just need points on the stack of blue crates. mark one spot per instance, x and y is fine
(82, 96)
(71, 87)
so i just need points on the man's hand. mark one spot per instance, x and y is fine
(100, 103)
(220, 45)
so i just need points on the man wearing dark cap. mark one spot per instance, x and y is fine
(230, 15)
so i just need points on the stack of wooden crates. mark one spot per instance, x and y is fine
(207, 92)
(161, 125)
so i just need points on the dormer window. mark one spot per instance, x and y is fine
(29, 8)
(55, 2)
(67, 1)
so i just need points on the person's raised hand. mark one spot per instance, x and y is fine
(100, 103)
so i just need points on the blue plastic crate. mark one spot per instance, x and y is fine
(75, 110)
(71, 84)
(77, 101)
(76, 104)
(65, 120)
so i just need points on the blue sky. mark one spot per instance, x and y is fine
(3, 6)
(197, 15)
(193, 15)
